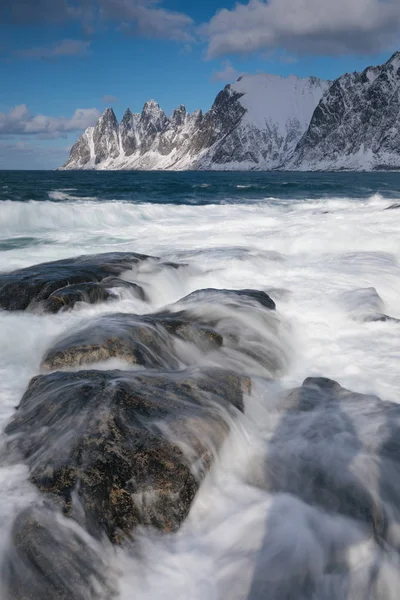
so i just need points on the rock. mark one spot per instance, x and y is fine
(279, 293)
(30, 287)
(365, 305)
(91, 293)
(119, 449)
(238, 297)
(241, 322)
(362, 302)
(246, 320)
(48, 558)
(380, 318)
(340, 451)
(147, 341)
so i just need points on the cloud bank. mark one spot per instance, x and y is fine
(19, 121)
(147, 18)
(305, 27)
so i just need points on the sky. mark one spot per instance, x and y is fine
(62, 62)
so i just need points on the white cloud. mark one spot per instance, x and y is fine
(305, 26)
(19, 121)
(145, 18)
(62, 48)
(228, 73)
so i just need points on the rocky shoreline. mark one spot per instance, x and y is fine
(112, 451)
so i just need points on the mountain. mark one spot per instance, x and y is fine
(255, 123)
(260, 122)
(356, 125)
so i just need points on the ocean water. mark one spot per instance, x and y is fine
(324, 246)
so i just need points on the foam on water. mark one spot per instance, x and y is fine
(316, 251)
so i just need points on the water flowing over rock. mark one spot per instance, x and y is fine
(55, 285)
(240, 324)
(108, 446)
(49, 557)
(337, 466)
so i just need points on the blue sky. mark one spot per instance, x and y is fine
(63, 61)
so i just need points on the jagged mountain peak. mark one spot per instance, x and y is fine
(108, 113)
(178, 116)
(395, 58)
(151, 106)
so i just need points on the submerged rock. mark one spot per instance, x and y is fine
(241, 322)
(121, 449)
(362, 301)
(366, 305)
(340, 451)
(380, 318)
(30, 287)
(247, 321)
(147, 341)
(237, 298)
(49, 558)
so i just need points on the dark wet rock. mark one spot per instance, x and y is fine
(67, 297)
(26, 288)
(380, 318)
(91, 293)
(340, 451)
(393, 206)
(231, 296)
(120, 449)
(278, 293)
(48, 559)
(147, 341)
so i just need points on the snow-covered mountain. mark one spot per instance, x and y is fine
(260, 122)
(255, 123)
(356, 125)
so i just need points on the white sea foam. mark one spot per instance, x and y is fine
(61, 195)
(316, 251)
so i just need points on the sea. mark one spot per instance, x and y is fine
(314, 242)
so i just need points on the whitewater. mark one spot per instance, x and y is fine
(312, 256)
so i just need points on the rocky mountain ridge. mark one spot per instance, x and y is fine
(254, 123)
(356, 126)
(261, 122)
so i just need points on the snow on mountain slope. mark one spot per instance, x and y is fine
(253, 124)
(356, 125)
(277, 113)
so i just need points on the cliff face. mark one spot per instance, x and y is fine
(356, 125)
